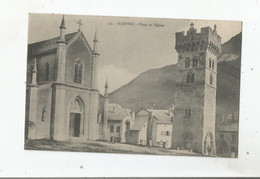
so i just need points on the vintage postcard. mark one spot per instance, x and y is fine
(133, 85)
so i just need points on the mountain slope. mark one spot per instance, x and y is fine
(233, 46)
(151, 87)
(156, 87)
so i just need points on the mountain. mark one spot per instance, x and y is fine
(156, 87)
(233, 46)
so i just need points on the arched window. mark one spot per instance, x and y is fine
(211, 79)
(78, 71)
(187, 63)
(195, 62)
(212, 64)
(209, 62)
(47, 72)
(190, 77)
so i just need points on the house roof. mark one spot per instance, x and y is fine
(229, 123)
(228, 126)
(139, 123)
(119, 113)
(47, 45)
(162, 116)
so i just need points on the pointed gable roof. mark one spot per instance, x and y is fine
(139, 123)
(50, 45)
(228, 127)
(47, 45)
(116, 112)
(162, 116)
(80, 35)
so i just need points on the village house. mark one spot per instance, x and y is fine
(227, 136)
(151, 127)
(137, 133)
(161, 128)
(118, 118)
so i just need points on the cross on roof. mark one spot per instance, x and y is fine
(80, 24)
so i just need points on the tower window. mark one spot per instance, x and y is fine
(187, 63)
(187, 113)
(211, 79)
(195, 62)
(210, 63)
(190, 78)
(78, 71)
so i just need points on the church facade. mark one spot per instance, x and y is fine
(62, 98)
(195, 95)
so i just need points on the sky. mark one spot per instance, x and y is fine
(128, 46)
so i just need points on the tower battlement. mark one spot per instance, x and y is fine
(207, 39)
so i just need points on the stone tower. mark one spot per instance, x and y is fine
(195, 95)
(58, 94)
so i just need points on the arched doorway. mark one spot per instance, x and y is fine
(187, 141)
(76, 112)
(209, 144)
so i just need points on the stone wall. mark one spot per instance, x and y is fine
(43, 119)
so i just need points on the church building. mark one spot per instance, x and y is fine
(62, 97)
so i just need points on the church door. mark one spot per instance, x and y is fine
(76, 118)
(74, 129)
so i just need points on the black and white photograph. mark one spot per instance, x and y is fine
(132, 85)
